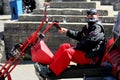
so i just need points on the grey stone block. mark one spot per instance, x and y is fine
(69, 12)
(79, 19)
(107, 2)
(59, 12)
(116, 7)
(73, 5)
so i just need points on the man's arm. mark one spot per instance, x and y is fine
(74, 34)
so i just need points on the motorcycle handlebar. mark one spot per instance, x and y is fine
(54, 23)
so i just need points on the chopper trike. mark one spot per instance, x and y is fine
(107, 69)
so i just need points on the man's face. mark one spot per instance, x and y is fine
(92, 16)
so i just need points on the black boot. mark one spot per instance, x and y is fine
(42, 69)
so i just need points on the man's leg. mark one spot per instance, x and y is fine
(61, 49)
(80, 58)
(61, 62)
(43, 69)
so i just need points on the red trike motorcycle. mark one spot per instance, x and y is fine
(107, 69)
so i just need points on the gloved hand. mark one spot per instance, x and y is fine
(57, 25)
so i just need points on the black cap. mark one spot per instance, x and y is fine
(92, 12)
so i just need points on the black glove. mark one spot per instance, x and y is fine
(56, 24)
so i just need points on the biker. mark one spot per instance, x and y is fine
(91, 46)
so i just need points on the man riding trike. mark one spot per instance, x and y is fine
(91, 54)
(89, 50)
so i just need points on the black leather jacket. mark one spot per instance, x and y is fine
(91, 39)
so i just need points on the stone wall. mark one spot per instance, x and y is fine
(18, 31)
(116, 6)
(115, 3)
(6, 6)
(107, 2)
(21, 31)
